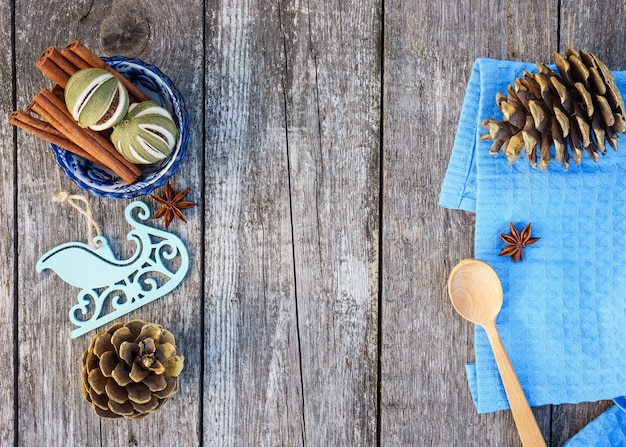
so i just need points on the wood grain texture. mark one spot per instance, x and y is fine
(298, 111)
(297, 127)
(174, 45)
(596, 28)
(7, 216)
(429, 51)
(332, 88)
(51, 408)
(253, 389)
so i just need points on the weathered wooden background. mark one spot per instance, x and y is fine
(315, 310)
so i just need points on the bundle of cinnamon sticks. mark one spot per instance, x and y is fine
(55, 123)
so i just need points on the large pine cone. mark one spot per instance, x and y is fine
(131, 369)
(579, 109)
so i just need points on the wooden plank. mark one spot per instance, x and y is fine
(8, 222)
(253, 391)
(172, 43)
(273, 66)
(51, 408)
(429, 49)
(332, 83)
(599, 31)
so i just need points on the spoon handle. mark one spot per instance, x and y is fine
(527, 427)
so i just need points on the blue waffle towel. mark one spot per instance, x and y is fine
(607, 430)
(563, 321)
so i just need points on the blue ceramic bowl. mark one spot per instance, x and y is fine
(102, 182)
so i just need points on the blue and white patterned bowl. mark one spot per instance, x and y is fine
(102, 182)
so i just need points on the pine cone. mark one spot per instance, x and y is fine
(131, 369)
(580, 109)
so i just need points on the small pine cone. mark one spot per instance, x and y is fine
(131, 369)
(578, 109)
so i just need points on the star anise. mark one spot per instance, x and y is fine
(516, 241)
(172, 205)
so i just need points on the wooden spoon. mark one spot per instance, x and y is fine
(476, 294)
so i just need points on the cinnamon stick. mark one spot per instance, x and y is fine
(100, 139)
(46, 132)
(97, 136)
(51, 69)
(58, 127)
(89, 140)
(58, 91)
(75, 59)
(43, 113)
(93, 60)
(61, 61)
(21, 116)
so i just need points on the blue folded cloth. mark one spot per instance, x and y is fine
(563, 320)
(607, 430)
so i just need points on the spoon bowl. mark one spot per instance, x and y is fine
(476, 294)
(475, 291)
